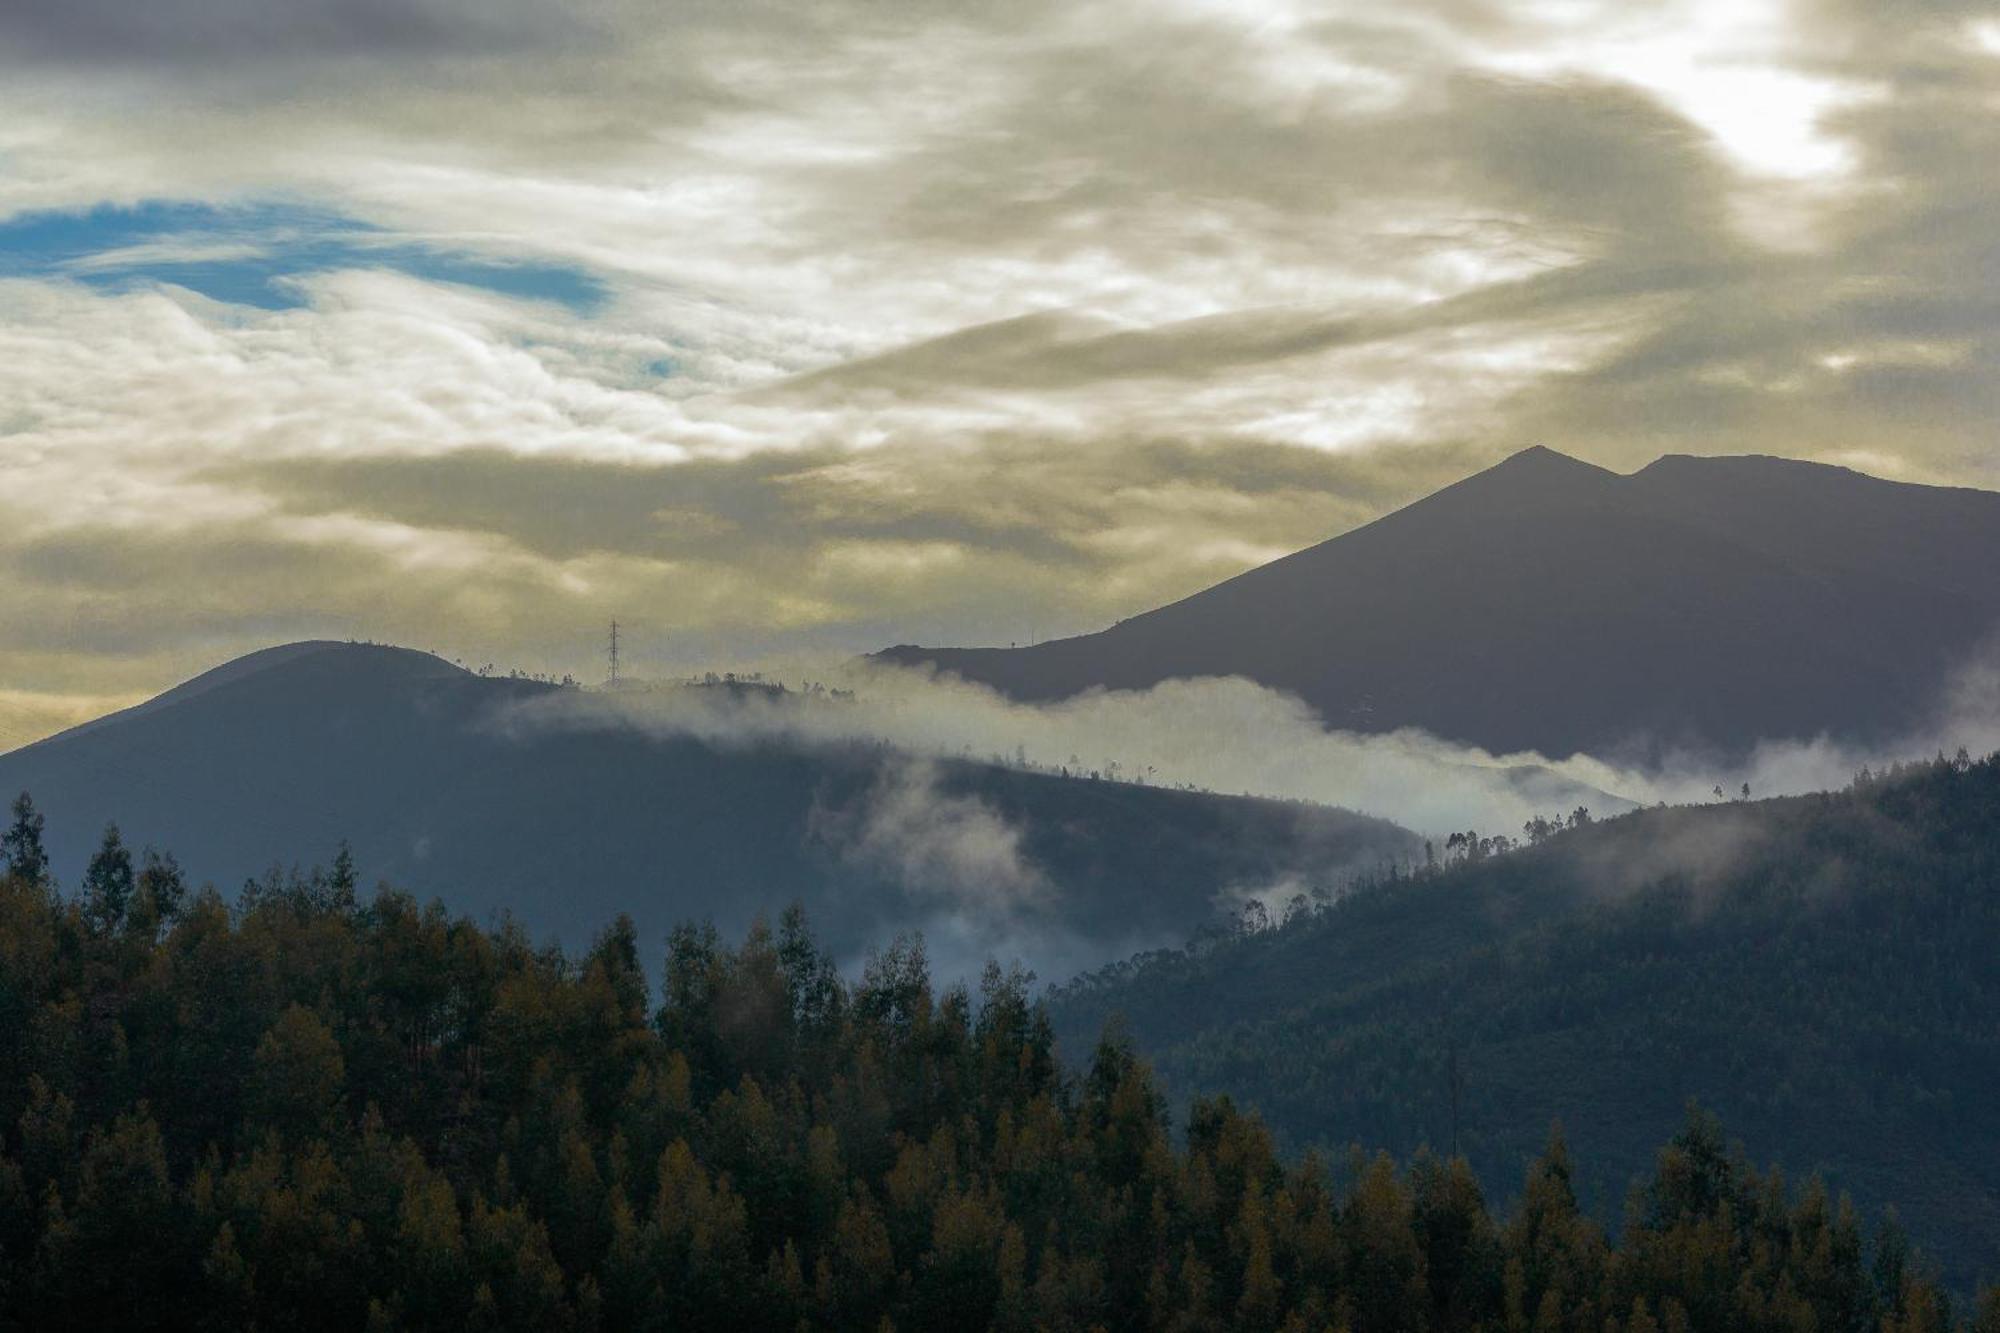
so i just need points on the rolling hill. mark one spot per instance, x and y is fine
(1818, 970)
(424, 769)
(1549, 605)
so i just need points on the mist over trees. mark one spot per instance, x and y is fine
(305, 1111)
(441, 781)
(1818, 969)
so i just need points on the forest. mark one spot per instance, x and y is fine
(1819, 970)
(306, 1110)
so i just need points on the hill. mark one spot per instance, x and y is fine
(1820, 970)
(1549, 605)
(422, 768)
(316, 1113)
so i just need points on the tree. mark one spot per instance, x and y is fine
(342, 882)
(162, 889)
(21, 846)
(1461, 1251)
(1384, 1264)
(123, 1248)
(274, 1118)
(108, 882)
(298, 1076)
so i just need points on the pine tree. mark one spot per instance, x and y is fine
(298, 1076)
(108, 882)
(21, 846)
(162, 888)
(225, 1159)
(342, 881)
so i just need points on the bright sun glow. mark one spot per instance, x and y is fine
(1721, 65)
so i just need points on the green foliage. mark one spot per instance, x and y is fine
(109, 883)
(1819, 969)
(21, 850)
(305, 1114)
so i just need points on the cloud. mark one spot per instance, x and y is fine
(216, 33)
(173, 252)
(1226, 735)
(27, 716)
(935, 844)
(1231, 736)
(1699, 855)
(927, 321)
(458, 470)
(1967, 715)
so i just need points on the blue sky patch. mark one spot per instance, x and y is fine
(244, 254)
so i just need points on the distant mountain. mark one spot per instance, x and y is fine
(1818, 970)
(281, 754)
(1546, 604)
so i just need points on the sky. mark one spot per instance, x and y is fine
(767, 329)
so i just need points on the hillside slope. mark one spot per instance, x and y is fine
(1546, 604)
(413, 762)
(313, 1115)
(1819, 970)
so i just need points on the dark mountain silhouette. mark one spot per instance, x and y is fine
(1817, 969)
(1546, 604)
(409, 758)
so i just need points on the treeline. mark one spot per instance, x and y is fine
(1820, 970)
(306, 1111)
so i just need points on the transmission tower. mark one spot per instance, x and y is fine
(614, 652)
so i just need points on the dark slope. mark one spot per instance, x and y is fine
(1549, 605)
(276, 757)
(1819, 970)
(411, 665)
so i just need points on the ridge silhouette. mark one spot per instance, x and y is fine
(1547, 604)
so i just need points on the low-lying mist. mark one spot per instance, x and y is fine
(1233, 736)
(981, 893)
(1224, 735)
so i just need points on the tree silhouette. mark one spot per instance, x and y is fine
(21, 846)
(161, 887)
(108, 882)
(295, 1114)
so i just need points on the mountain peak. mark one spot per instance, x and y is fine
(1537, 475)
(1771, 464)
(410, 662)
(1550, 604)
(1541, 458)
(343, 656)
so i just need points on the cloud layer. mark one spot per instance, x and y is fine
(932, 322)
(1224, 735)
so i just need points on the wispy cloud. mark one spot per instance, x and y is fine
(844, 325)
(167, 252)
(1225, 735)
(934, 842)
(258, 254)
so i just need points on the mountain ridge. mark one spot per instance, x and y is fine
(1549, 605)
(1816, 968)
(412, 761)
(237, 668)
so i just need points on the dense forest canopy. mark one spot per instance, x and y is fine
(1820, 970)
(306, 1111)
